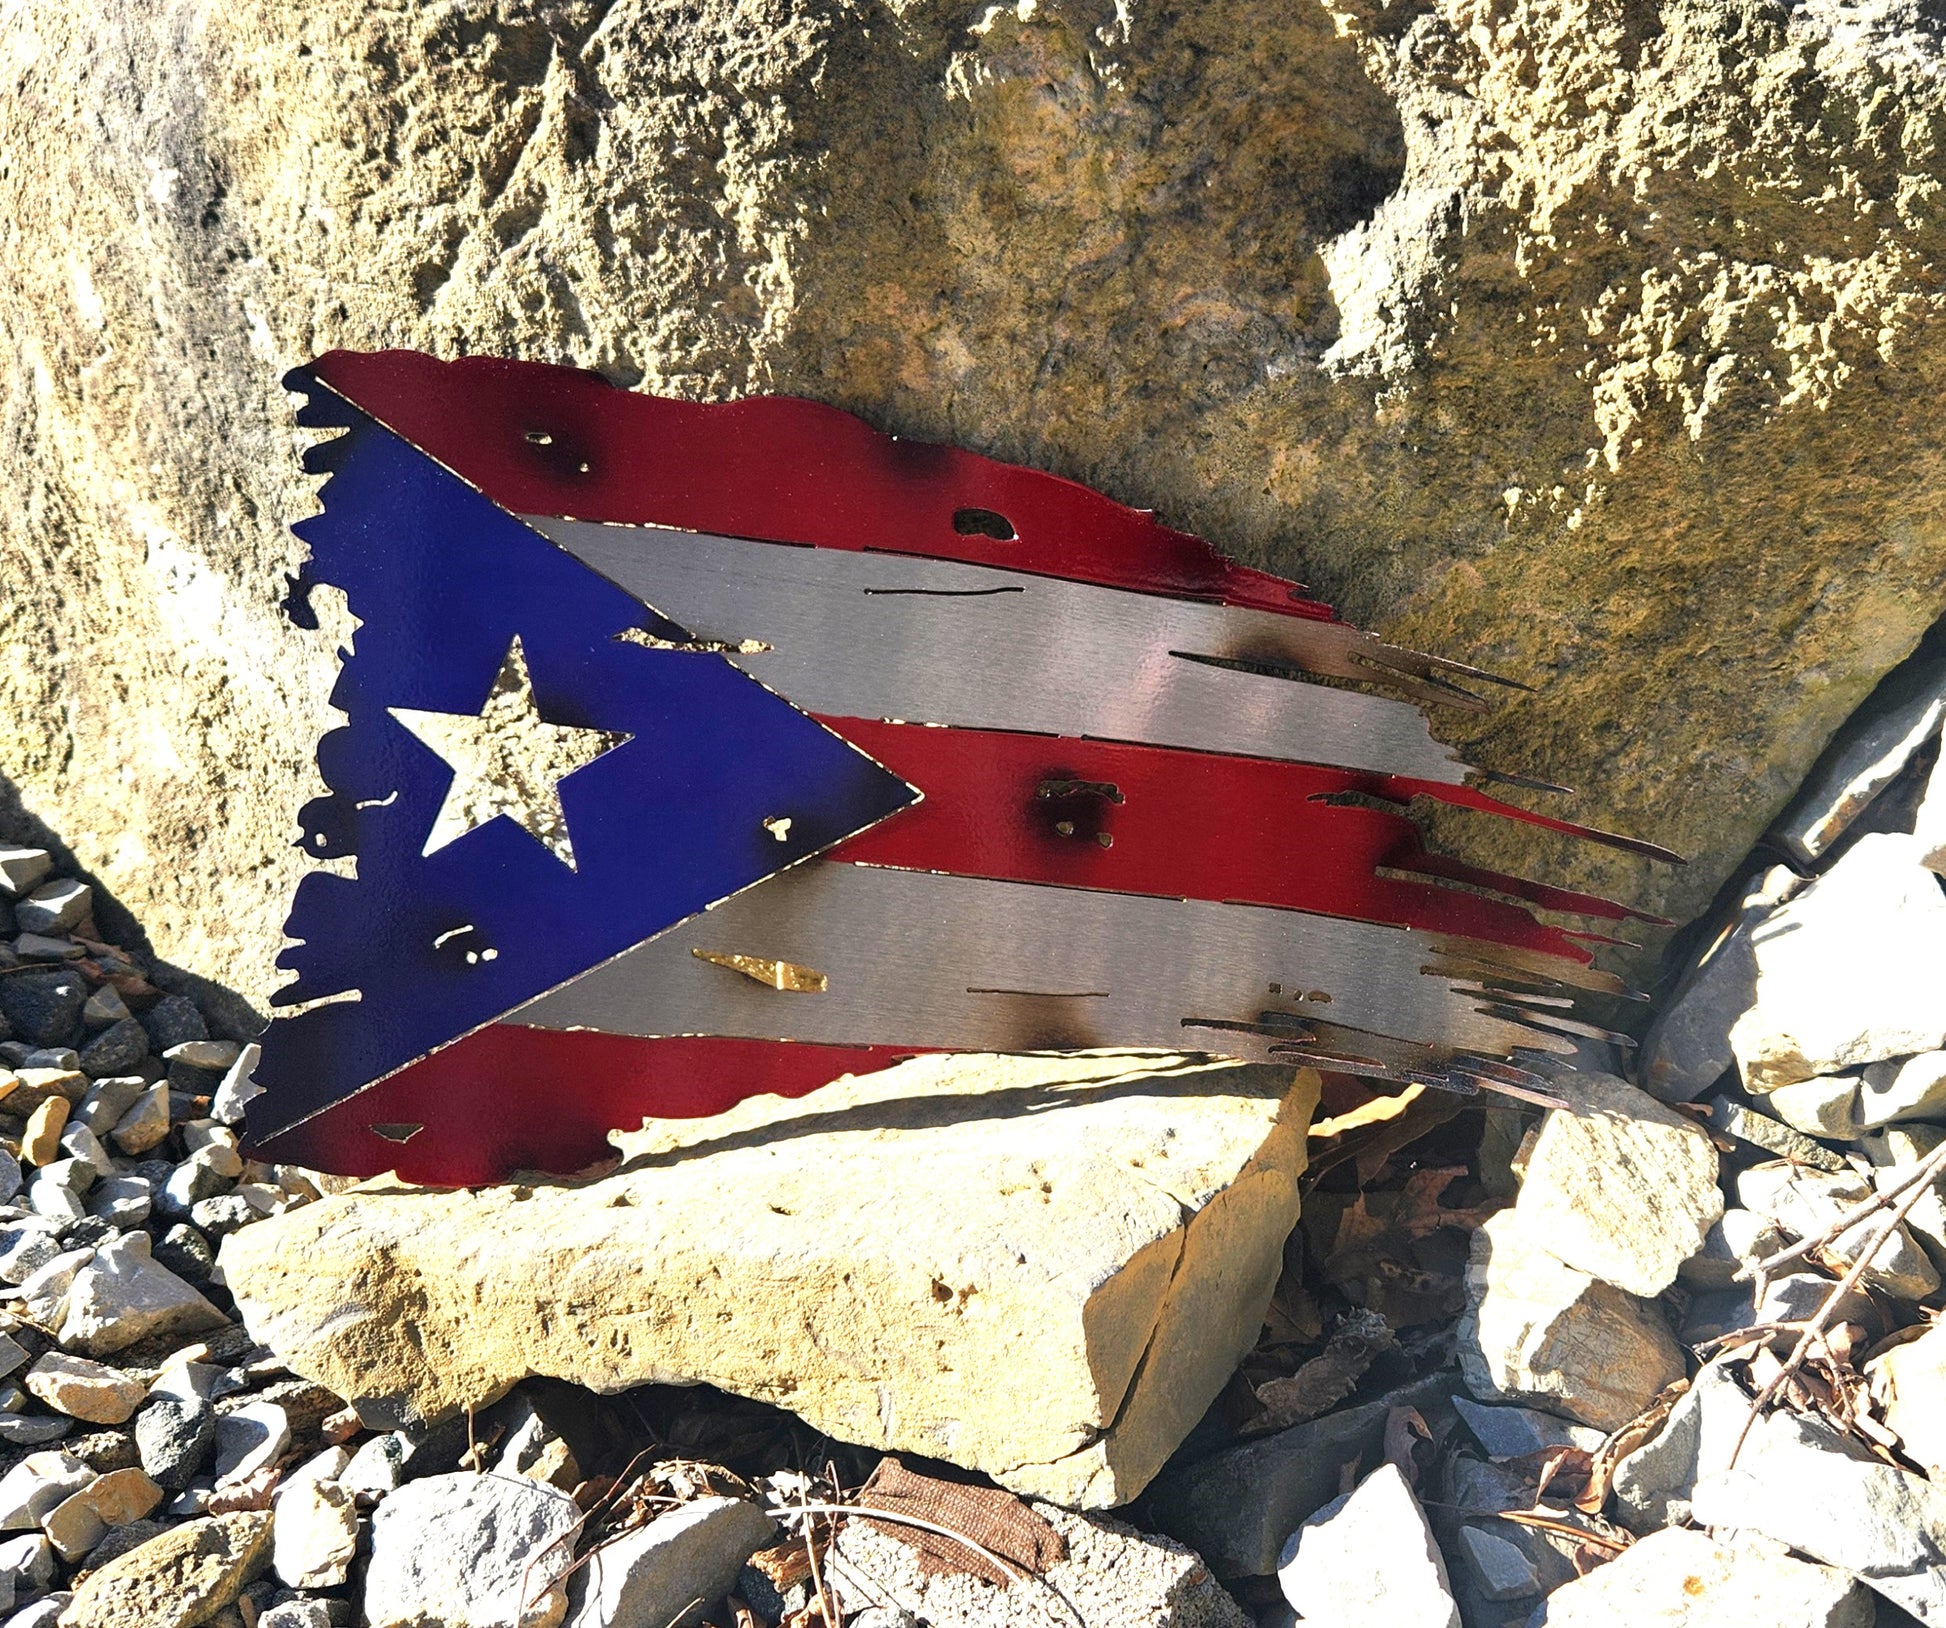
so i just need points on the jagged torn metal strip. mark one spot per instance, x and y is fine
(972, 964)
(934, 641)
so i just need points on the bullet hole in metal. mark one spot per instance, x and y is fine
(983, 523)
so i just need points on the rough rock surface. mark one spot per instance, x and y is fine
(1043, 1268)
(1538, 1331)
(469, 1551)
(1113, 1577)
(1599, 344)
(183, 1577)
(1686, 1579)
(1619, 1186)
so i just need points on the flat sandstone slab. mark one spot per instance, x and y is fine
(1043, 1268)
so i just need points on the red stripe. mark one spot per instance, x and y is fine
(1196, 825)
(508, 1098)
(559, 441)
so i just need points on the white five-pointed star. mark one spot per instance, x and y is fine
(506, 760)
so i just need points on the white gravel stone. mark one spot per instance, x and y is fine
(315, 1539)
(1368, 1560)
(469, 1551)
(234, 1096)
(1620, 1186)
(1685, 1579)
(1847, 971)
(1538, 1332)
(664, 1574)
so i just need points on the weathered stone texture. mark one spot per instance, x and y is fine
(1043, 1268)
(1598, 342)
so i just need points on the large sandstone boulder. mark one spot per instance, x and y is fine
(1599, 343)
(1043, 1268)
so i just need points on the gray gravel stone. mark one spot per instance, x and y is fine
(220, 1216)
(27, 1563)
(105, 1006)
(44, 1008)
(26, 1247)
(1515, 1432)
(248, 1439)
(121, 1539)
(41, 1614)
(122, 1296)
(117, 1049)
(80, 1143)
(377, 1467)
(1687, 1049)
(175, 1437)
(1497, 1567)
(189, 1184)
(1236, 1508)
(108, 1099)
(145, 1124)
(54, 907)
(187, 1253)
(34, 1486)
(33, 1429)
(1807, 1201)
(468, 1548)
(171, 1021)
(123, 1201)
(1732, 1118)
(22, 870)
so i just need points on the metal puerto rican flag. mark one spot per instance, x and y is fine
(696, 751)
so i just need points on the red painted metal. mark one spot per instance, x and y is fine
(561, 441)
(508, 1098)
(1194, 825)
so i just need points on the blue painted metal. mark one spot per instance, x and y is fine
(442, 581)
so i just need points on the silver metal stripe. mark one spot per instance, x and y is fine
(933, 641)
(916, 958)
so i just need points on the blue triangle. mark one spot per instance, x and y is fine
(442, 582)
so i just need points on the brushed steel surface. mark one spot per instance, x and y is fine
(860, 635)
(923, 959)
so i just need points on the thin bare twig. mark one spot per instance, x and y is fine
(1814, 1329)
(1931, 1165)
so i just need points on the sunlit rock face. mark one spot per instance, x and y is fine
(1599, 344)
